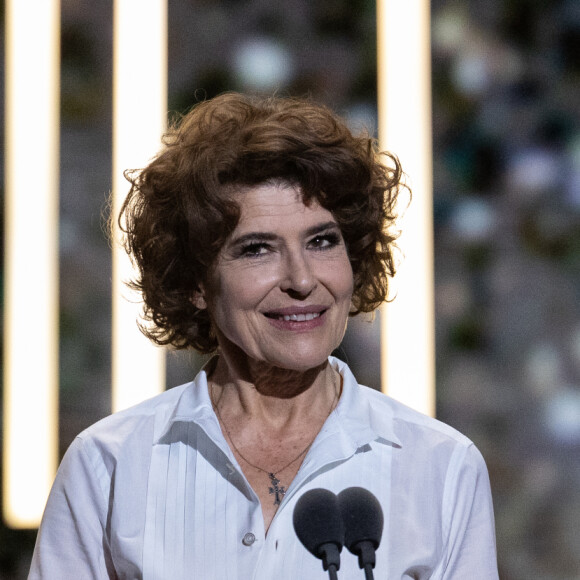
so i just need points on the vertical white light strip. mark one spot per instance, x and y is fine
(139, 119)
(31, 289)
(404, 95)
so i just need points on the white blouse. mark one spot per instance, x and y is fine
(154, 492)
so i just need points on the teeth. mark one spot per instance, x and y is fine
(301, 317)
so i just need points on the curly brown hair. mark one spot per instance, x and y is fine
(182, 207)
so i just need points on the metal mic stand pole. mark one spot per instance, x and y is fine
(330, 555)
(369, 572)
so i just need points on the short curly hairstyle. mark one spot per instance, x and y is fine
(182, 207)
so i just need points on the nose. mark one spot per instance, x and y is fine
(298, 276)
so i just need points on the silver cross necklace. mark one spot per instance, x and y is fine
(274, 488)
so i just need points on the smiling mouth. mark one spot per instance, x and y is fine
(295, 317)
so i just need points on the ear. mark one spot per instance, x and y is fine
(198, 299)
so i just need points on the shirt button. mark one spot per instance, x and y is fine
(248, 539)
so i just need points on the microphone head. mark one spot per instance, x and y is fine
(317, 521)
(362, 516)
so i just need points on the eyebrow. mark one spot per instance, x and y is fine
(269, 236)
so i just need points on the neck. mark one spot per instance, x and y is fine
(273, 394)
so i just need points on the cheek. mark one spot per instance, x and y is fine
(237, 292)
(344, 282)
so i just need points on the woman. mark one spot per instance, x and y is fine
(260, 227)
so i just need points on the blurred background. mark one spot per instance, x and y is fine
(506, 142)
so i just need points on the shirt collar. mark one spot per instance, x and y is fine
(358, 416)
(355, 416)
(193, 406)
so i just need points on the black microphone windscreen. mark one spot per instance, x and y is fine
(317, 520)
(362, 516)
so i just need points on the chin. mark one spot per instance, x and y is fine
(300, 362)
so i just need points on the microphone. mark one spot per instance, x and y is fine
(363, 521)
(318, 525)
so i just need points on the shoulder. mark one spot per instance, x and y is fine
(424, 440)
(132, 429)
(408, 422)
(390, 418)
(419, 439)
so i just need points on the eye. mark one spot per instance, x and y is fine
(254, 249)
(324, 241)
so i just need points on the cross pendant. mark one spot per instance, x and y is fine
(275, 490)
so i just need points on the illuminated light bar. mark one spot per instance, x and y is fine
(404, 102)
(30, 453)
(139, 119)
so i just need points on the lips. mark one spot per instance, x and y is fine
(296, 315)
(297, 312)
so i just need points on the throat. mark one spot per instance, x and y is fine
(280, 383)
(271, 436)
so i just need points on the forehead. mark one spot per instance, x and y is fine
(277, 203)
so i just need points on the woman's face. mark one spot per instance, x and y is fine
(281, 290)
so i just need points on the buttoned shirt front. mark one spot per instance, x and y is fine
(154, 492)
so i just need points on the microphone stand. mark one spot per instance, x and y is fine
(369, 572)
(366, 558)
(330, 555)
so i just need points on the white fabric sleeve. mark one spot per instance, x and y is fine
(468, 517)
(71, 542)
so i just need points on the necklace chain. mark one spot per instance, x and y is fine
(275, 489)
